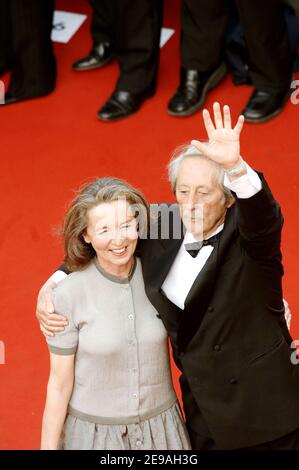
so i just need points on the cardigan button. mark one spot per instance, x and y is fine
(210, 309)
(233, 381)
(217, 347)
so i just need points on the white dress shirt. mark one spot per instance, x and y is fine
(185, 268)
(58, 276)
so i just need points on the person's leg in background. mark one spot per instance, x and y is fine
(295, 5)
(203, 26)
(270, 60)
(138, 27)
(103, 36)
(34, 66)
(5, 37)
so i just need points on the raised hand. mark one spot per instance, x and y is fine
(224, 140)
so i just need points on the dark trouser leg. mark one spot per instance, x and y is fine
(203, 25)
(288, 442)
(5, 36)
(137, 44)
(103, 21)
(266, 36)
(199, 442)
(34, 70)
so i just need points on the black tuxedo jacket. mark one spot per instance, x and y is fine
(231, 341)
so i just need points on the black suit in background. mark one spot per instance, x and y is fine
(231, 342)
(26, 46)
(203, 25)
(5, 38)
(133, 27)
(102, 21)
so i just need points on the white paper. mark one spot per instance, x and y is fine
(65, 25)
(166, 34)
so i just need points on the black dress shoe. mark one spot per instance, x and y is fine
(122, 104)
(193, 89)
(99, 56)
(263, 106)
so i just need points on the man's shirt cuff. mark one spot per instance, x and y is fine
(58, 276)
(246, 186)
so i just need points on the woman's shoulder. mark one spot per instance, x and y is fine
(72, 291)
(74, 280)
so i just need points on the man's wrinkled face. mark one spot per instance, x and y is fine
(202, 202)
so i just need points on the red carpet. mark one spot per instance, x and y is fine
(50, 146)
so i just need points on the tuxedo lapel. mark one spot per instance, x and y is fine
(156, 263)
(158, 255)
(201, 291)
(169, 246)
(169, 251)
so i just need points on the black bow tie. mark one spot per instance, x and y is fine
(194, 248)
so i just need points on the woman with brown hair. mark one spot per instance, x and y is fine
(110, 382)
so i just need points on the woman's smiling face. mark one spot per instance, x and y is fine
(112, 231)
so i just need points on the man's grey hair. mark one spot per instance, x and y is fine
(186, 151)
